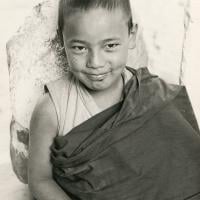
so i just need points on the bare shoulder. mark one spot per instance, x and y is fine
(43, 130)
(44, 114)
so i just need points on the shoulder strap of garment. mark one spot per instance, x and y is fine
(72, 102)
(59, 93)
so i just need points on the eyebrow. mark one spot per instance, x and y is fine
(112, 39)
(77, 41)
(85, 42)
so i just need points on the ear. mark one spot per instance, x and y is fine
(133, 36)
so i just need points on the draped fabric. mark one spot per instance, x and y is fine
(146, 147)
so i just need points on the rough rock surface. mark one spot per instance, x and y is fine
(35, 57)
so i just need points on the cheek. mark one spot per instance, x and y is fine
(76, 63)
(120, 58)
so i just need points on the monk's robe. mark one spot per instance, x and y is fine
(146, 147)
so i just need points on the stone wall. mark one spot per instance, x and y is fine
(34, 58)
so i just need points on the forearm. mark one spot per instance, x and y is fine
(47, 190)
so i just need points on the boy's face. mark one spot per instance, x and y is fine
(96, 44)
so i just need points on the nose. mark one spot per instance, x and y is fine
(95, 60)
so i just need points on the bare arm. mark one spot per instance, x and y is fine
(43, 129)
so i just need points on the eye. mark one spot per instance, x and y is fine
(79, 49)
(112, 46)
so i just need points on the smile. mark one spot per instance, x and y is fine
(97, 77)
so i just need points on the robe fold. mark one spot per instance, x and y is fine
(146, 147)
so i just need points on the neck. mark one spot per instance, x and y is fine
(106, 98)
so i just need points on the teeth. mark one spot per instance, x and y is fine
(97, 77)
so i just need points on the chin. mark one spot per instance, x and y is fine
(96, 87)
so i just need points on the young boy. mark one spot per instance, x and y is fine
(106, 131)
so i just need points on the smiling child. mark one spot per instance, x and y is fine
(105, 131)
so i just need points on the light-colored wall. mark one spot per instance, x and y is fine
(12, 14)
(191, 66)
(163, 30)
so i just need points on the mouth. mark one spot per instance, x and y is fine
(97, 77)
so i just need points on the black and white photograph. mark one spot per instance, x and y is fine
(100, 100)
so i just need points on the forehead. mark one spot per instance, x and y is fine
(95, 23)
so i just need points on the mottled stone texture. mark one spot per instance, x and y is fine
(35, 57)
(19, 149)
